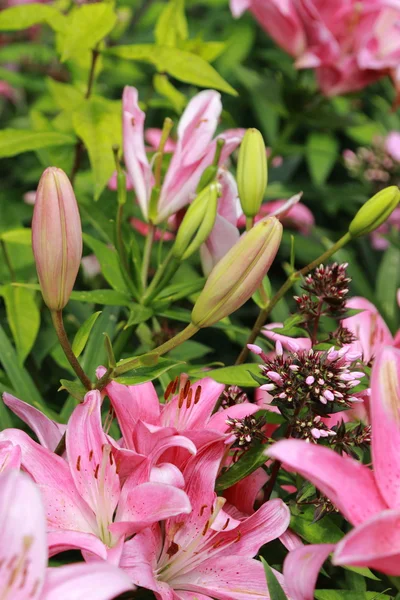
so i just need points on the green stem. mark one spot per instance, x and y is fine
(147, 254)
(58, 323)
(157, 279)
(181, 337)
(264, 313)
(249, 223)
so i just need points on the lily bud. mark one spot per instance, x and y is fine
(197, 223)
(252, 172)
(56, 237)
(375, 211)
(238, 274)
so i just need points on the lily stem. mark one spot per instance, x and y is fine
(58, 323)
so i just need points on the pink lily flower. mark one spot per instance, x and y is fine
(87, 507)
(23, 553)
(368, 499)
(157, 433)
(194, 151)
(370, 329)
(206, 554)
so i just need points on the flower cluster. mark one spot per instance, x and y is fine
(142, 510)
(311, 377)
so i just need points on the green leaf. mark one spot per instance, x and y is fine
(238, 375)
(17, 236)
(190, 350)
(274, 587)
(109, 262)
(171, 27)
(75, 388)
(322, 532)
(95, 353)
(16, 141)
(83, 333)
(349, 595)
(23, 318)
(138, 314)
(26, 15)
(144, 374)
(247, 464)
(66, 96)
(87, 25)
(22, 383)
(105, 297)
(98, 123)
(387, 283)
(321, 153)
(164, 87)
(182, 65)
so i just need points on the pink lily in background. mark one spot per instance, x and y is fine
(87, 507)
(368, 499)
(370, 329)
(23, 553)
(159, 432)
(194, 151)
(225, 233)
(207, 553)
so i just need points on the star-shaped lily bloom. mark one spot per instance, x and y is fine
(368, 499)
(207, 553)
(23, 553)
(87, 506)
(160, 431)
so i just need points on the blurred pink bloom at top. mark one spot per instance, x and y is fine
(194, 151)
(7, 91)
(350, 43)
(279, 18)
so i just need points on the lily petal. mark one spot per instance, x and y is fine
(347, 483)
(375, 544)
(301, 569)
(385, 418)
(10, 457)
(97, 581)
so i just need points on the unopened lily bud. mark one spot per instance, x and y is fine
(56, 237)
(375, 211)
(252, 172)
(238, 274)
(197, 223)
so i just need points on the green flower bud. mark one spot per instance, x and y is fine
(375, 211)
(252, 172)
(238, 274)
(197, 223)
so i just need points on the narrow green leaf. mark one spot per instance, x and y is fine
(274, 587)
(26, 15)
(387, 283)
(66, 96)
(349, 595)
(164, 87)
(109, 262)
(321, 153)
(247, 464)
(237, 375)
(23, 318)
(322, 532)
(184, 66)
(82, 335)
(138, 314)
(95, 353)
(17, 141)
(75, 388)
(105, 297)
(23, 385)
(144, 374)
(87, 25)
(17, 236)
(98, 123)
